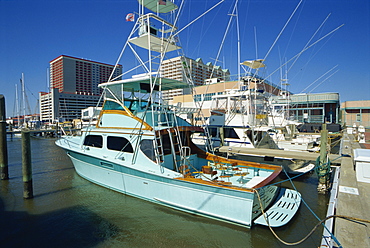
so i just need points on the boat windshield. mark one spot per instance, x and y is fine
(131, 104)
(135, 105)
(111, 105)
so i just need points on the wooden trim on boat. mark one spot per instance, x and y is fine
(213, 183)
(269, 178)
(217, 159)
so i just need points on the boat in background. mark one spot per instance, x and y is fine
(141, 147)
(239, 122)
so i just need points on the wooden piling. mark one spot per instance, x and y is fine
(4, 173)
(26, 165)
(11, 131)
(324, 164)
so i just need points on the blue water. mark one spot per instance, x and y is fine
(69, 211)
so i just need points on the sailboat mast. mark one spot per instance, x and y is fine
(17, 102)
(238, 34)
(23, 99)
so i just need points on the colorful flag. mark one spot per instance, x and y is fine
(162, 2)
(130, 17)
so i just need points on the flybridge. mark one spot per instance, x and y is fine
(161, 39)
(158, 6)
(158, 40)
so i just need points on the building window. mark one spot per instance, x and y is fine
(358, 117)
(208, 96)
(198, 98)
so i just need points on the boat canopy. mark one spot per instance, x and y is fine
(158, 6)
(254, 64)
(154, 43)
(142, 84)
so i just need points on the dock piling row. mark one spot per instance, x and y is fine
(26, 165)
(323, 165)
(4, 173)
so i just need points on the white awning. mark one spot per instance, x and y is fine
(254, 64)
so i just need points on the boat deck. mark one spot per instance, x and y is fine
(309, 156)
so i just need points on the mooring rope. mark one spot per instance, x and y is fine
(313, 229)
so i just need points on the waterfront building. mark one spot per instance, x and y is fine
(309, 108)
(184, 69)
(73, 87)
(355, 112)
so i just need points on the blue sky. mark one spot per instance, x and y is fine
(34, 32)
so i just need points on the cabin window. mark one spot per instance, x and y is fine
(212, 131)
(230, 133)
(166, 144)
(94, 141)
(110, 105)
(119, 144)
(135, 105)
(146, 146)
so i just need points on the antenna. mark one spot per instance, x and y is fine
(255, 41)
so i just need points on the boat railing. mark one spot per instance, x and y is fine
(163, 116)
(65, 139)
(63, 131)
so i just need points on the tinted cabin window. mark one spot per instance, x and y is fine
(212, 131)
(94, 141)
(135, 105)
(230, 133)
(110, 105)
(166, 144)
(119, 144)
(146, 146)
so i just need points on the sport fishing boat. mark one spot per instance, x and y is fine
(141, 147)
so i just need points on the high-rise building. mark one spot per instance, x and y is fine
(73, 87)
(182, 68)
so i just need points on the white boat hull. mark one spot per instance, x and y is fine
(222, 204)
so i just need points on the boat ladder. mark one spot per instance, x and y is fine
(209, 145)
(178, 149)
(158, 149)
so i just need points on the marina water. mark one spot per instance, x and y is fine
(69, 211)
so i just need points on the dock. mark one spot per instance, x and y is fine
(353, 200)
(46, 132)
(348, 197)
